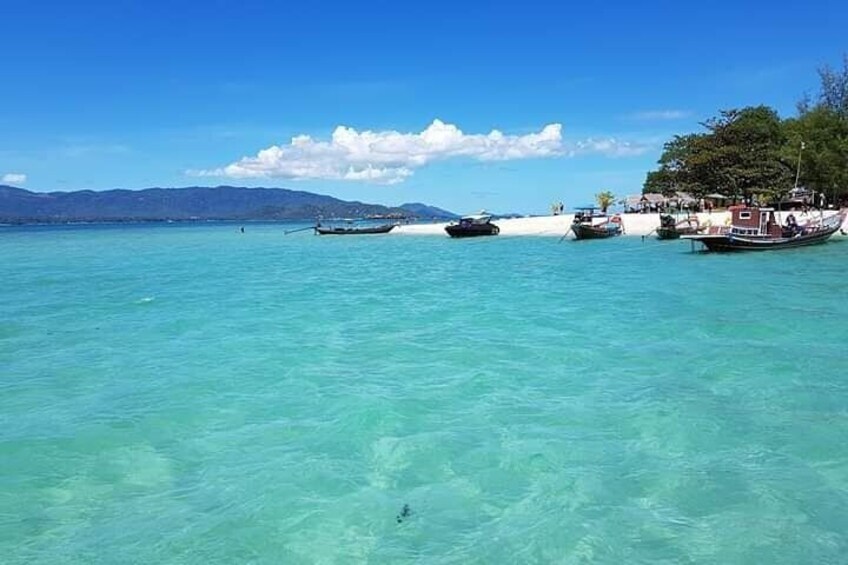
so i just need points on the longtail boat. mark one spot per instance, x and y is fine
(352, 229)
(672, 227)
(584, 225)
(320, 230)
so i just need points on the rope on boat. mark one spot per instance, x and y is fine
(299, 229)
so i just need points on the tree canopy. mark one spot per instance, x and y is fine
(605, 199)
(751, 151)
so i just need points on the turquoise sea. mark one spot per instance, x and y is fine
(191, 394)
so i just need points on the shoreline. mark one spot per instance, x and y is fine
(557, 226)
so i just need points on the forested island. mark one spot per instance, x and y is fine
(19, 206)
(752, 152)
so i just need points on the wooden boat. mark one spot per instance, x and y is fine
(473, 226)
(353, 229)
(756, 229)
(584, 225)
(672, 228)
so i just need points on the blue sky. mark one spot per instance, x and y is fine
(138, 94)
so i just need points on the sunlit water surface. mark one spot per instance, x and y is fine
(176, 394)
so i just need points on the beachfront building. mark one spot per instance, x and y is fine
(654, 202)
(646, 203)
(684, 201)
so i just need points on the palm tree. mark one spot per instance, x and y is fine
(605, 199)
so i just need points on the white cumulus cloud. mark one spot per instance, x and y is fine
(609, 147)
(389, 157)
(659, 115)
(14, 178)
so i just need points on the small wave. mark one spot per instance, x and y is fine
(145, 300)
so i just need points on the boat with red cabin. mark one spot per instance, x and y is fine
(753, 228)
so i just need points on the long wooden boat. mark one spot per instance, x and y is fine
(353, 230)
(473, 226)
(672, 228)
(584, 226)
(757, 229)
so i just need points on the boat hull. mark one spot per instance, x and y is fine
(729, 242)
(473, 230)
(354, 231)
(674, 232)
(585, 231)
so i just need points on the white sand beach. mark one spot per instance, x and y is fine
(634, 224)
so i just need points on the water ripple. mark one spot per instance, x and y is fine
(186, 395)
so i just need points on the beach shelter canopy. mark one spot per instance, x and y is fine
(716, 196)
(633, 201)
(654, 197)
(685, 198)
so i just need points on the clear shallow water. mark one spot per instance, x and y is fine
(195, 395)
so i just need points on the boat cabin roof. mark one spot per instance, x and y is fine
(345, 219)
(742, 207)
(589, 212)
(479, 218)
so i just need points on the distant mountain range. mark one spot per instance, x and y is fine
(191, 203)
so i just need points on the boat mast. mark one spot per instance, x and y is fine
(798, 169)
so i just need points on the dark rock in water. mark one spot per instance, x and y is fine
(405, 512)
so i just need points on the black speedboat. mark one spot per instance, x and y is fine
(473, 226)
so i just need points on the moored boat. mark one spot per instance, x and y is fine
(473, 226)
(586, 226)
(672, 227)
(757, 229)
(353, 229)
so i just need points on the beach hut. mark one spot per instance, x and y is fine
(644, 203)
(632, 203)
(684, 201)
(715, 200)
(653, 202)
